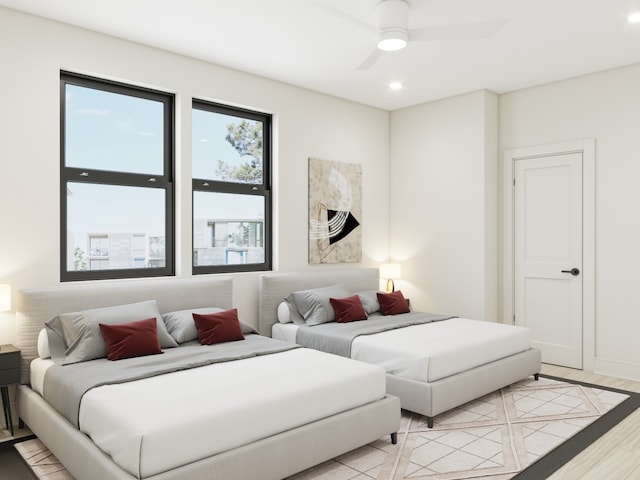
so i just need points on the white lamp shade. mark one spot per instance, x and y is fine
(5, 298)
(390, 270)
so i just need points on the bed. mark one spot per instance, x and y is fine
(461, 368)
(247, 414)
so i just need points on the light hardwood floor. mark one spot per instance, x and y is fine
(616, 455)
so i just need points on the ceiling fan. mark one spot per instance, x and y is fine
(393, 32)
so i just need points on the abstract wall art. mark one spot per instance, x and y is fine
(335, 212)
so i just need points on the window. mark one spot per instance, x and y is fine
(116, 180)
(231, 152)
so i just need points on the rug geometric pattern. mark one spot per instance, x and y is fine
(41, 461)
(493, 438)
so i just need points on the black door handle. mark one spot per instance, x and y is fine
(574, 271)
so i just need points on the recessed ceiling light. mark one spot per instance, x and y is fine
(634, 17)
(395, 85)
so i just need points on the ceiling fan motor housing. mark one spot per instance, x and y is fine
(392, 23)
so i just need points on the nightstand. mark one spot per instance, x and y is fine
(9, 375)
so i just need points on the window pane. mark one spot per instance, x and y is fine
(226, 148)
(114, 227)
(228, 229)
(113, 132)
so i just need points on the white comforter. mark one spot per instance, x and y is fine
(433, 351)
(156, 424)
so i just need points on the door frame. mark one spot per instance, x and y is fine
(587, 148)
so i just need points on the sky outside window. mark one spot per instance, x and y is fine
(210, 145)
(113, 132)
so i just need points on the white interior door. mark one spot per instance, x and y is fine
(548, 254)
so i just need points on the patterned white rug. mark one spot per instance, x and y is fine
(43, 464)
(494, 438)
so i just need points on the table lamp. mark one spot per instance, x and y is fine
(390, 271)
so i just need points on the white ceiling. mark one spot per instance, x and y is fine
(318, 44)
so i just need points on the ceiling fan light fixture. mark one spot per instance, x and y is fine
(392, 40)
(392, 21)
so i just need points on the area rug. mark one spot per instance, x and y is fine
(522, 432)
(42, 463)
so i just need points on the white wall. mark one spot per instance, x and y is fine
(32, 53)
(604, 106)
(444, 204)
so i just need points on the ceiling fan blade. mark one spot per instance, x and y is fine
(370, 60)
(336, 12)
(463, 31)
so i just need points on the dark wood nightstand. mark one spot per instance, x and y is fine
(9, 375)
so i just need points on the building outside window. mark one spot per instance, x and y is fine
(231, 165)
(116, 180)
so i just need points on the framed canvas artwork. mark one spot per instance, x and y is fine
(335, 212)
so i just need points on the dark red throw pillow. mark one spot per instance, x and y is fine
(218, 327)
(393, 303)
(134, 339)
(348, 309)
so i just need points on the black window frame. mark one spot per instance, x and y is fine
(257, 189)
(164, 181)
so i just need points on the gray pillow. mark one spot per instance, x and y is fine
(182, 328)
(369, 301)
(79, 332)
(294, 314)
(314, 305)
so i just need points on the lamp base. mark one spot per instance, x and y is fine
(391, 287)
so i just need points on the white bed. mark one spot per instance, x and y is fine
(432, 367)
(231, 420)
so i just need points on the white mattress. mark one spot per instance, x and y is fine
(152, 425)
(432, 351)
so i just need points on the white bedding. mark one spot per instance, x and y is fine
(152, 425)
(37, 372)
(434, 350)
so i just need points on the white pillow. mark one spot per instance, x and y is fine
(43, 344)
(284, 315)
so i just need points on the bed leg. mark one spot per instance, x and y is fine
(430, 422)
(536, 376)
(394, 438)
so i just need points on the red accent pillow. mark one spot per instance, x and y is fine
(134, 339)
(348, 309)
(218, 327)
(393, 303)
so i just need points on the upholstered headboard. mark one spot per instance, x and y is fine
(274, 287)
(36, 306)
